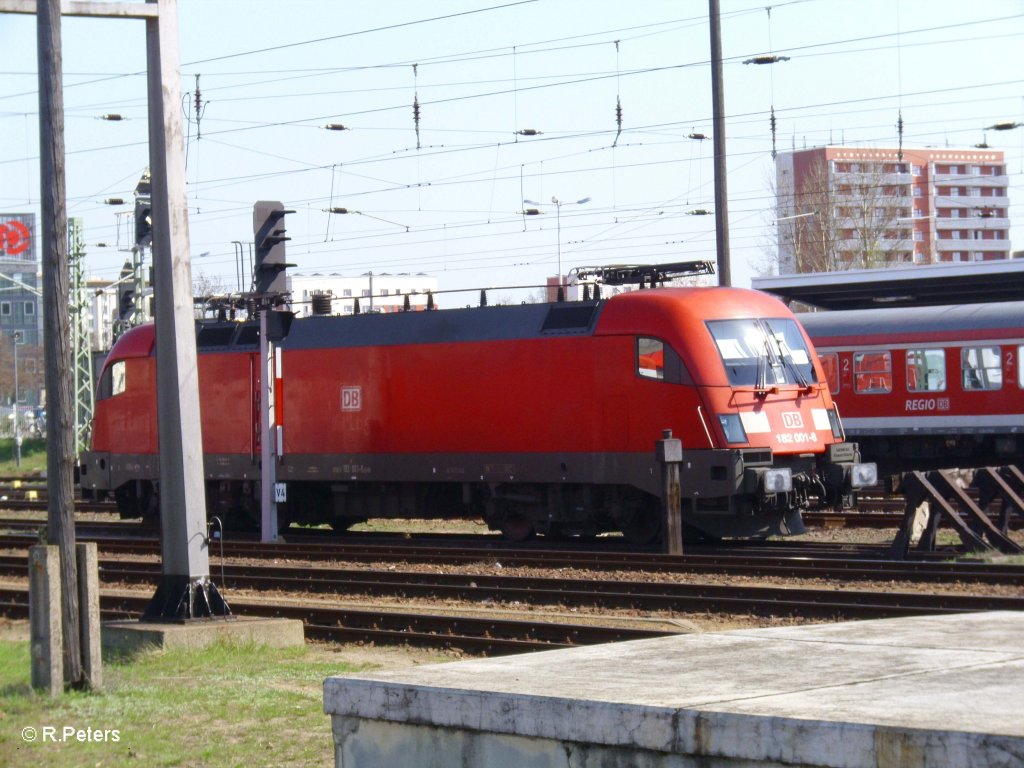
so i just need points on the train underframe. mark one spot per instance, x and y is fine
(723, 496)
(899, 453)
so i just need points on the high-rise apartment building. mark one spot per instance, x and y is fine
(860, 207)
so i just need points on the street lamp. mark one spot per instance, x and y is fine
(558, 222)
(19, 339)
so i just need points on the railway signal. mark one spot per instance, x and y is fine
(269, 237)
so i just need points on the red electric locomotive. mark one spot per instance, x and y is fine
(539, 417)
(927, 387)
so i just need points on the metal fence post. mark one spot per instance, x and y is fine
(669, 453)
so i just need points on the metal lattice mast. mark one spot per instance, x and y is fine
(81, 319)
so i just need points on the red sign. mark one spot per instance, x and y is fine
(14, 237)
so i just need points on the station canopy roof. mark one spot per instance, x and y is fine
(927, 285)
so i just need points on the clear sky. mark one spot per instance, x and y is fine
(448, 200)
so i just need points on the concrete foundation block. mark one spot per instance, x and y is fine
(87, 560)
(131, 636)
(45, 619)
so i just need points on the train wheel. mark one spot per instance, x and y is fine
(517, 528)
(643, 527)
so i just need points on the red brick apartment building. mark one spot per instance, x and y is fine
(864, 207)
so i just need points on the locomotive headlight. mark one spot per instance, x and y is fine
(863, 475)
(732, 426)
(778, 480)
(833, 420)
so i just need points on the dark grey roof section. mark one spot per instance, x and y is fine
(932, 285)
(899, 321)
(497, 323)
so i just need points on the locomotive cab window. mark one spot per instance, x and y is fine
(830, 364)
(872, 372)
(112, 381)
(981, 368)
(926, 370)
(763, 352)
(657, 360)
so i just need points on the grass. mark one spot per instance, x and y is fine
(33, 456)
(227, 705)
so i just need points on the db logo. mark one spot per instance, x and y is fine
(14, 237)
(792, 420)
(351, 398)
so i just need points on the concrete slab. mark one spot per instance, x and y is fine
(911, 692)
(129, 636)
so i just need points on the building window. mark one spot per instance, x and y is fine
(915, 170)
(5, 308)
(30, 308)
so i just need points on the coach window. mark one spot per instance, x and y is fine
(657, 360)
(872, 372)
(926, 370)
(830, 364)
(981, 368)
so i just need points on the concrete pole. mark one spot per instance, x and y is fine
(718, 131)
(185, 590)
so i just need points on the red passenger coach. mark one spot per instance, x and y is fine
(927, 387)
(536, 418)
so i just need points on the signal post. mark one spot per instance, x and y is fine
(269, 288)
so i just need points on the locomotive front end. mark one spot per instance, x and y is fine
(738, 382)
(775, 400)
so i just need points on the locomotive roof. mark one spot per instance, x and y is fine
(495, 323)
(912, 323)
(650, 311)
(636, 311)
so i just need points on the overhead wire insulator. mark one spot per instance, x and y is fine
(699, 212)
(529, 132)
(335, 127)
(773, 123)
(416, 104)
(113, 117)
(618, 101)
(899, 133)
(697, 136)
(416, 118)
(766, 59)
(1004, 126)
(618, 120)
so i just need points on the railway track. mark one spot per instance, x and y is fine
(836, 563)
(492, 636)
(636, 595)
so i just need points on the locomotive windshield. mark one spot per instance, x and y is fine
(763, 352)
